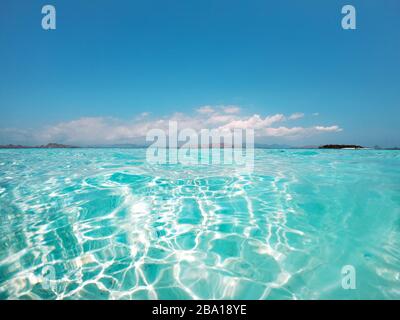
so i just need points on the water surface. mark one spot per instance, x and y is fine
(104, 224)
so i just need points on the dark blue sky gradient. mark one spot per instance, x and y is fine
(121, 58)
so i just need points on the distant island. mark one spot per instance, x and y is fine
(47, 146)
(340, 146)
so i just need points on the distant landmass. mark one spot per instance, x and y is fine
(221, 145)
(121, 145)
(380, 148)
(47, 146)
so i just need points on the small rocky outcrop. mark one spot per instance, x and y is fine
(341, 146)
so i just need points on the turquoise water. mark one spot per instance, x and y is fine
(104, 224)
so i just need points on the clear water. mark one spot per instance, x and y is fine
(103, 224)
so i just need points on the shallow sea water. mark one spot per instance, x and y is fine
(104, 224)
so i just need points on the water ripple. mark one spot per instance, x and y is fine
(103, 224)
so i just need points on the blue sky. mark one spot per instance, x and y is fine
(109, 62)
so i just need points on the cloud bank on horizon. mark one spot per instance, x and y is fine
(110, 130)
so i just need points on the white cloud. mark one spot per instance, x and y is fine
(231, 109)
(328, 129)
(283, 131)
(205, 110)
(295, 116)
(219, 119)
(107, 130)
(254, 122)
